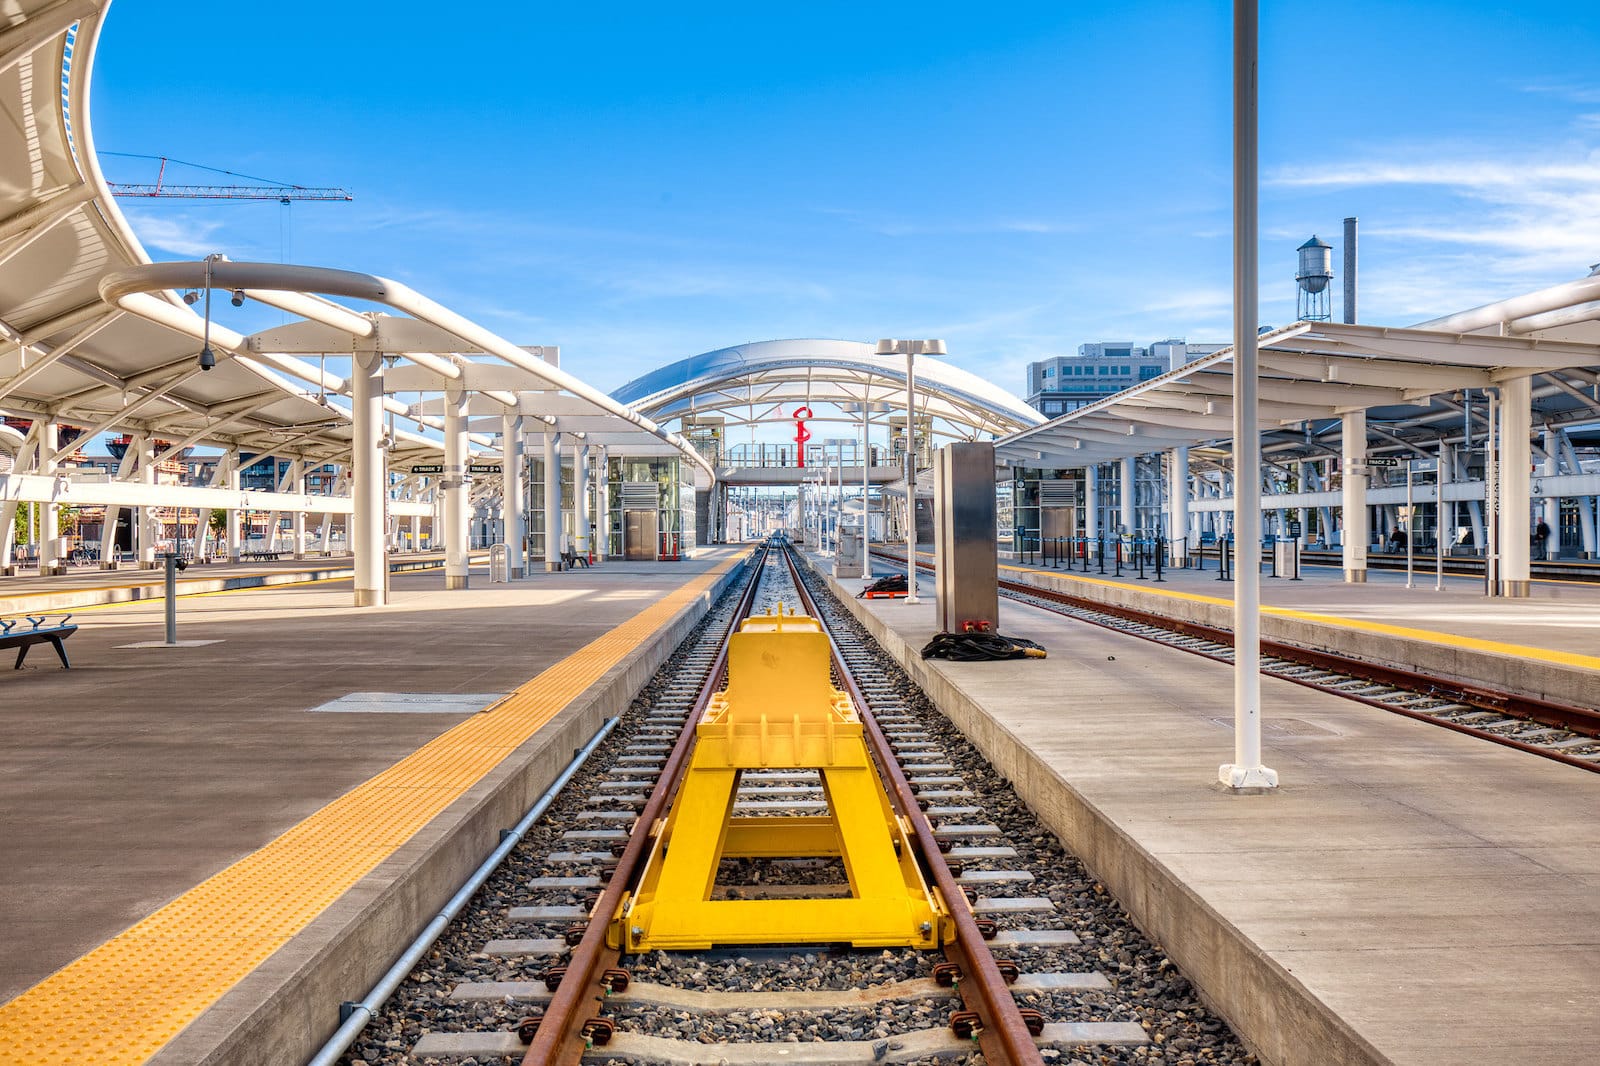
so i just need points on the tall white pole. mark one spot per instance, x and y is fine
(1411, 527)
(911, 477)
(866, 492)
(457, 507)
(1438, 521)
(370, 479)
(513, 504)
(552, 500)
(1246, 770)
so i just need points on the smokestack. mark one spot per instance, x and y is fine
(1350, 269)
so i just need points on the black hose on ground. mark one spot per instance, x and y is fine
(981, 647)
(892, 583)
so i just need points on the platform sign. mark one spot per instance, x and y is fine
(483, 468)
(1294, 530)
(427, 468)
(1382, 462)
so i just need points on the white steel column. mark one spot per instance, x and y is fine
(1353, 443)
(580, 498)
(297, 485)
(49, 553)
(1516, 459)
(1246, 770)
(1178, 505)
(513, 504)
(552, 501)
(1550, 512)
(602, 504)
(457, 512)
(1091, 502)
(911, 477)
(1129, 490)
(369, 525)
(234, 484)
(416, 532)
(866, 491)
(144, 518)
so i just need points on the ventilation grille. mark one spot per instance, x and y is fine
(640, 495)
(1058, 492)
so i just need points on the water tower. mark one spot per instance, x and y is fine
(1316, 270)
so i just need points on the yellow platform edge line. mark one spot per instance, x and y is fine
(162, 973)
(1429, 636)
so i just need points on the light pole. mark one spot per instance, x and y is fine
(866, 408)
(911, 349)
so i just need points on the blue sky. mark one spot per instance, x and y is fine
(639, 183)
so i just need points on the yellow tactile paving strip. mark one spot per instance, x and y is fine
(1432, 636)
(123, 1001)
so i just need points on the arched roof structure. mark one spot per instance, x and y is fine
(764, 381)
(90, 337)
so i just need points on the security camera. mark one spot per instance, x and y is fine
(208, 358)
(238, 297)
(191, 297)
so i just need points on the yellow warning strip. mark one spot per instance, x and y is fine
(123, 1001)
(1431, 636)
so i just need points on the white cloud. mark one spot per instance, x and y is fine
(1522, 213)
(178, 234)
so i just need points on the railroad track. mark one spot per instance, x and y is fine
(528, 960)
(1569, 735)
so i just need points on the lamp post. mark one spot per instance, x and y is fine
(1246, 770)
(866, 408)
(911, 349)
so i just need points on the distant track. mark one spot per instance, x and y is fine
(1565, 734)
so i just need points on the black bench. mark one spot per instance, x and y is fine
(41, 633)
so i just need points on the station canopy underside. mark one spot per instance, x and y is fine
(766, 381)
(87, 340)
(1411, 382)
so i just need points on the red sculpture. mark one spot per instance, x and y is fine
(801, 433)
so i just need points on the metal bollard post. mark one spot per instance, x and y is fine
(1100, 550)
(1296, 576)
(172, 598)
(1083, 550)
(1138, 551)
(1161, 550)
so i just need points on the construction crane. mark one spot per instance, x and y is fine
(265, 191)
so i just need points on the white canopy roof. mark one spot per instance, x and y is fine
(765, 381)
(1406, 379)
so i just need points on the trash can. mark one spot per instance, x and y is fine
(499, 563)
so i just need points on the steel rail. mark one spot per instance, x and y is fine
(1004, 1037)
(559, 1039)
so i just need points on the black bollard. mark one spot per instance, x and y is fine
(1161, 551)
(1100, 550)
(1138, 551)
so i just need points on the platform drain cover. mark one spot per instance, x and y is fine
(411, 703)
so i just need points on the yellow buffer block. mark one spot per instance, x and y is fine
(780, 711)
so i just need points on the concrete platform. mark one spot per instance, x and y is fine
(1407, 896)
(141, 773)
(1547, 645)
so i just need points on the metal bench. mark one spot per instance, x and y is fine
(22, 639)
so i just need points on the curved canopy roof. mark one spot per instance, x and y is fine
(1410, 381)
(752, 383)
(92, 335)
